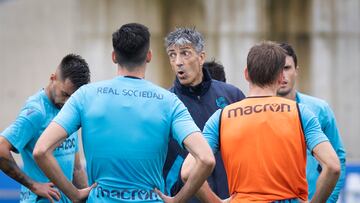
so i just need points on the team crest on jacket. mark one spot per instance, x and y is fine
(221, 102)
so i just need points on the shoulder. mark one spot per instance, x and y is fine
(33, 113)
(35, 107)
(172, 89)
(314, 104)
(228, 88)
(219, 84)
(91, 89)
(95, 85)
(157, 88)
(307, 99)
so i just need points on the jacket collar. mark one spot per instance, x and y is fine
(197, 90)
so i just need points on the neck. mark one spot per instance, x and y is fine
(138, 72)
(198, 80)
(256, 91)
(47, 91)
(48, 94)
(291, 95)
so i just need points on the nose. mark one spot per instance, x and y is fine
(179, 60)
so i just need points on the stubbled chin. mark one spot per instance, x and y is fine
(183, 81)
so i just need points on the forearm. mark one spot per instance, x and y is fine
(51, 168)
(340, 183)
(80, 178)
(196, 179)
(325, 184)
(205, 194)
(10, 168)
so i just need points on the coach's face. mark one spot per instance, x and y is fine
(289, 77)
(186, 63)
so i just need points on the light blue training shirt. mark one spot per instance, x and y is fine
(126, 125)
(23, 134)
(326, 117)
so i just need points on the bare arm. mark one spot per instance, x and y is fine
(204, 163)
(329, 175)
(205, 193)
(79, 177)
(332, 132)
(52, 137)
(10, 168)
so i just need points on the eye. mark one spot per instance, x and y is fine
(172, 55)
(287, 67)
(185, 53)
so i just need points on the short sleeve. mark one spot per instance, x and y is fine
(69, 116)
(182, 123)
(211, 131)
(312, 129)
(76, 138)
(24, 128)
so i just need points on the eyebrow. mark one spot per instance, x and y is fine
(181, 48)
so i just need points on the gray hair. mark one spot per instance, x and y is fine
(182, 36)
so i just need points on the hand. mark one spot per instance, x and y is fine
(165, 198)
(303, 201)
(46, 190)
(228, 200)
(84, 193)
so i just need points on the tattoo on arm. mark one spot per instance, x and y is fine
(9, 167)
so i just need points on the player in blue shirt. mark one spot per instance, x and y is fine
(34, 117)
(126, 125)
(326, 118)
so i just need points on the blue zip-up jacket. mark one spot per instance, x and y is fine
(326, 117)
(202, 101)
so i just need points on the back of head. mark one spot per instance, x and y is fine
(183, 36)
(289, 51)
(131, 44)
(265, 62)
(216, 70)
(74, 68)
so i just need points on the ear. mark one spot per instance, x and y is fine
(202, 57)
(113, 57)
(246, 74)
(148, 56)
(297, 70)
(52, 77)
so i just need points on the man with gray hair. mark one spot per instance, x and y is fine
(201, 95)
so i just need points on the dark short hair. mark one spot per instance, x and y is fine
(216, 70)
(265, 62)
(289, 51)
(75, 68)
(131, 44)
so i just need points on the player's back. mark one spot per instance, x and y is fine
(126, 125)
(267, 130)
